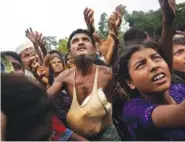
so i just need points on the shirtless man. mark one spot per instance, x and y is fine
(90, 114)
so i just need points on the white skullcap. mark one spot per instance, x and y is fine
(24, 46)
(178, 36)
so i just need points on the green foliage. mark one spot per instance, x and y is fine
(51, 42)
(151, 21)
(180, 16)
(63, 45)
(103, 27)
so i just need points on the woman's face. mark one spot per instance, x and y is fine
(57, 65)
(148, 71)
(179, 57)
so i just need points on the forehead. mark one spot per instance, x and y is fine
(144, 52)
(53, 55)
(80, 35)
(55, 59)
(28, 50)
(178, 46)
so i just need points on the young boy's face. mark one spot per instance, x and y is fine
(179, 57)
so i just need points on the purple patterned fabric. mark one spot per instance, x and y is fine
(137, 112)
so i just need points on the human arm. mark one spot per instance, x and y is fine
(58, 83)
(33, 38)
(168, 10)
(151, 116)
(108, 47)
(42, 43)
(109, 83)
(174, 117)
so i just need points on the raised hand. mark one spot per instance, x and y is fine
(31, 35)
(42, 43)
(106, 47)
(42, 71)
(118, 13)
(168, 9)
(38, 41)
(113, 27)
(89, 19)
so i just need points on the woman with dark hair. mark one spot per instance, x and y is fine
(56, 65)
(146, 77)
(68, 61)
(62, 101)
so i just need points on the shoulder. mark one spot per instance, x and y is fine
(139, 111)
(64, 75)
(177, 91)
(107, 71)
(136, 107)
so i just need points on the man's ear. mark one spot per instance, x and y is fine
(130, 84)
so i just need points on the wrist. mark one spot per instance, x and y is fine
(114, 37)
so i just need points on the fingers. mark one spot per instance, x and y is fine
(88, 13)
(35, 66)
(42, 73)
(46, 61)
(120, 9)
(90, 16)
(27, 32)
(118, 19)
(112, 25)
(31, 30)
(39, 37)
(85, 11)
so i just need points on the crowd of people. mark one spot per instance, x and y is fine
(97, 92)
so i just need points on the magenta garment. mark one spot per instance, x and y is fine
(137, 112)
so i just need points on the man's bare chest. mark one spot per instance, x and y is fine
(84, 86)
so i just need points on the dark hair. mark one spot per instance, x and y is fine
(59, 54)
(27, 107)
(14, 55)
(51, 71)
(55, 51)
(179, 41)
(122, 70)
(134, 34)
(80, 31)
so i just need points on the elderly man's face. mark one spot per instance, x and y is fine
(26, 57)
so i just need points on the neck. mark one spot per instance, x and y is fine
(159, 98)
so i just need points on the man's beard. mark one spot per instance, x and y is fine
(84, 61)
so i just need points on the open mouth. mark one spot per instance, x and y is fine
(81, 48)
(159, 78)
